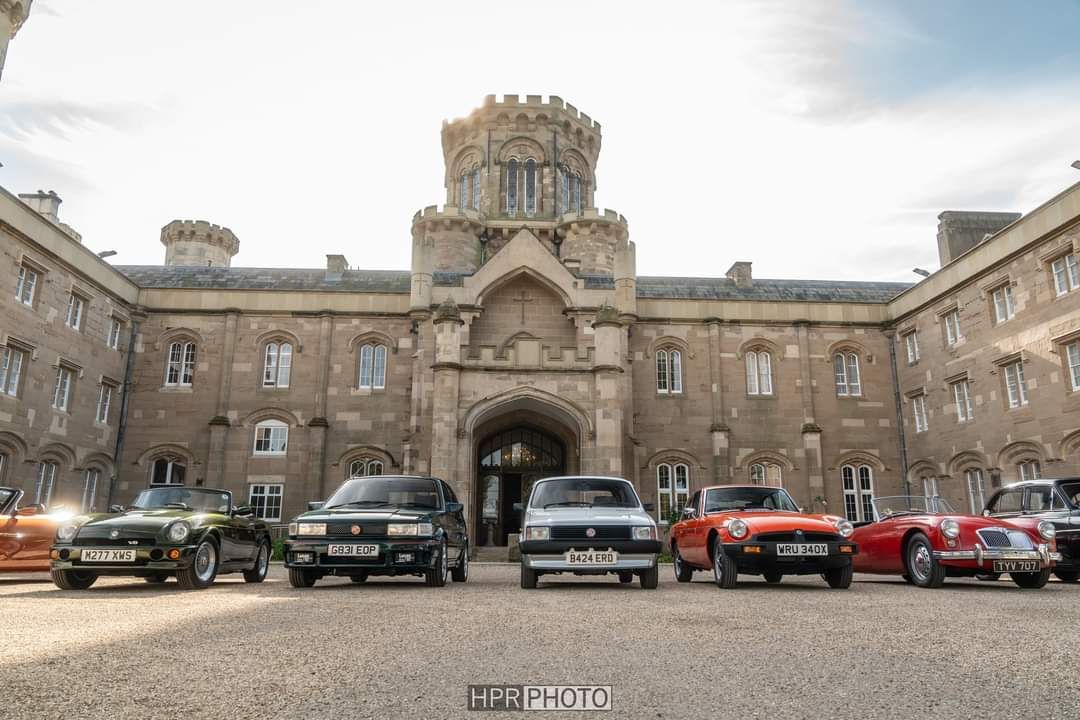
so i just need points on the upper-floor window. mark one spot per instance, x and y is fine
(105, 393)
(1066, 274)
(1029, 470)
(75, 310)
(962, 398)
(11, 367)
(363, 467)
(672, 489)
(1015, 385)
(512, 186)
(918, 409)
(530, 187)
(976, 490)
(277, 364)
(469, 189)
(89, 493)
(180, 368)
(168, 470)
(372, 367)
(911, 342)
(766, 473)
(1003, 304)
(669, 371)
(846, 369)
(265, 500)
(858, 481)
(62, 387)
(113, 340)
(26, 285)
(952, 327)
(271, 438)
(46, 479)
(1072, 357)
(758, 373)
(571, 191)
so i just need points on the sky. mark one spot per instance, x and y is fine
(815, 139)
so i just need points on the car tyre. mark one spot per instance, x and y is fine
(683, 572)
(436, 576)
(1067, 576)
(156, 579)
(203, 569)
(649, 578)
(924, 570)
(258, 571)
(1031, 580)
(528, 577)
(626, 577)
(73, 579)
(725, 571)
(359, 578)
(772, 577)
(460, 573)
(302, 577)
(839, 578)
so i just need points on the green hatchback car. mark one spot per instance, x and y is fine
(193, 534)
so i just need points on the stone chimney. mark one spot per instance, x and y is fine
(740, 273)
(961, 230)
(47, 205)
(336, 264)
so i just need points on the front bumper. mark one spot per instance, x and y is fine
(550, 555)
(980, 555)
(395, 556)
(759, 557)
(149, 559)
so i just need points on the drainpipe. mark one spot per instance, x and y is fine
(891, 335)
(125, 394)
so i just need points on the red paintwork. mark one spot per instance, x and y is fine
(25, 540)
(692, 534)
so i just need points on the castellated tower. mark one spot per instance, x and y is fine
(197, 242)
(521, 163)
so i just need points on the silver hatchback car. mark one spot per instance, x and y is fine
(588, 526)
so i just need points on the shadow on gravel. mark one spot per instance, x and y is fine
(137, 588)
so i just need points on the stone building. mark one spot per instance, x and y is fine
(523, 342)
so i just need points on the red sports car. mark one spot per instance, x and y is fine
(758, 530)
(924, 540)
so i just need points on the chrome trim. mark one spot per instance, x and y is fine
(980, 554)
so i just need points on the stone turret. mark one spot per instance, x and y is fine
(13, 14)
(197, 242)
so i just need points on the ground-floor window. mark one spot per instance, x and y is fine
(46, 479)
(89, 494)
(930, 487)
(265, 500)
(362, 467)
(766, 474)
(672, 489)
(1029, 470)
(168, 471)
(976, 490)
(858, 492)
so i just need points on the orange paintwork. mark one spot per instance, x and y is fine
(25, 539)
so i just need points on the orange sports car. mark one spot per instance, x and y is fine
(759, 530)
(26, 533)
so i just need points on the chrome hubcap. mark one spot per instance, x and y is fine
(676, 563)
(465, 562)
(717, 566)
(205, 559)
(264, 560)
(920, 564)
(445, 563)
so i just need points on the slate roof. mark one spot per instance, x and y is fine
(397, 282)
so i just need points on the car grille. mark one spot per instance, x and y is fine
(792, 537)
(100, 536)
(578, 532)
(1001, 538)
(369, 529)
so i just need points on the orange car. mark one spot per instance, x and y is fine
(26, 533)
(759, 530)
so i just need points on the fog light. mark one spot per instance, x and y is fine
(156, 554)
(847, 549)
(174, 554)
(405, 557)
(756, 549)
(303, 558)
(950, 542)
(65, 554)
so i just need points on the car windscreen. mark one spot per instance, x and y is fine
(182, 498)
(583, 492)
(748, 498)
(6, 494)
(897, 504)
(1071, 491)
(386, 491)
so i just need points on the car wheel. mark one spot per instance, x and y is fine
(436, 576)
(649, 578)
(528, 576)
(302, 577)
(988, 577)
(1069, 576)
(156, 579)
(683, 572)
(460, 573)
(258, 571)
(362, 577)
(839, 578)
(725, 572)
(626, 577)
(1032, 580)
(772, 577)
(923, 569)
(203, 569)
(73, 579)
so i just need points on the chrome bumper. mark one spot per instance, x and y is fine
(558, 562)
(979, 554)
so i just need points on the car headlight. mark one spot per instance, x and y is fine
(66, 533)
(423, 529)
(845, 528)
(647, 532)
(1047, 530)
(311, 529)
(537, 533)
(294, 528)
(178, 532)
(950, 528)
(738, 528)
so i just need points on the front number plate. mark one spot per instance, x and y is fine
(591, 557)
(802, 549)
(108, 556)
(1009, 566)
(353, 550)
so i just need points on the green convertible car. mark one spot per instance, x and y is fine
(194, 534)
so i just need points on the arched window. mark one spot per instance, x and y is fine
(758, 373)
(168, 470)
(271, 438)
(672, 489)
(46, 480)
(858, 492)
(512, 187)
(846, 368)
(90, 485)
(530, 187)
(463, 190)
(976, 489)
(372, 367)
(180, 365)
(277, 365)
(362, 467)
(669, 372)
(1028, 470)
(476, 189)
(930, 487)
(766, 473)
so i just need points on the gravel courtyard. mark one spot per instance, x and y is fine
(394, 648)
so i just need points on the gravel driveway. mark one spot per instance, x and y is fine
(394, 648)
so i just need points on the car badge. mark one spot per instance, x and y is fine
(114, 534)
(799, 532)
(133, 542)
(590, 533)
(356, 529)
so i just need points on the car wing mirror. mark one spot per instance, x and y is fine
(315, 505)
(518, 507)
(986, 513)
(649, 507)
(454, 507)
(116, 508)
(243, 511)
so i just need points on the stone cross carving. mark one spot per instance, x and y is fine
(523, 299)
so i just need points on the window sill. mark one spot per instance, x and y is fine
(176, 389)
(270, 454)
(367, 391)
(273, 389)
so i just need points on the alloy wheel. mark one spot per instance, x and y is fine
(205, 560)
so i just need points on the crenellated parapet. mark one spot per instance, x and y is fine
(591, 240)
(198, 242)
(454, 235)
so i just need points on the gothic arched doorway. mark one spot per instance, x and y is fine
(509, 462)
